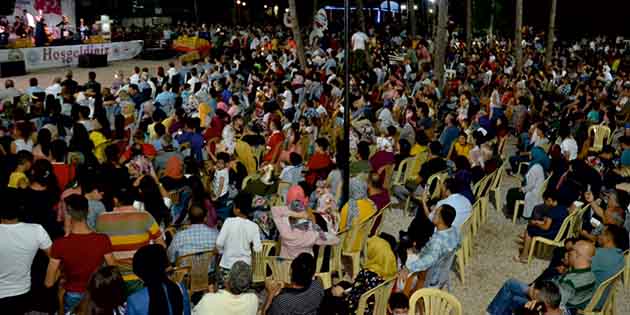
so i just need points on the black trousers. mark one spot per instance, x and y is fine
(15, 305)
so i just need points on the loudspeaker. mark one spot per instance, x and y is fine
(7, 7)
(12, 68)
(92, 61)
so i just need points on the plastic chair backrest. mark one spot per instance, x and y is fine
(498, 175)
(544, 185)
(381, 296)
(434, 182)
(600, 133)
(358, 231)
(434, 302)
(199, 264)
(260, 261)
(564, 230)
(578, 221)
(377, 223)
(178, 274)
(480, 187)
(280, 268)
(401, 174)
(605, 291)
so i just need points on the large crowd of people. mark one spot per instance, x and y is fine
(104, 187)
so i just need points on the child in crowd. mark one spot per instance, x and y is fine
(398, 304)
(220, 184)
(293, 173)
(18, 178)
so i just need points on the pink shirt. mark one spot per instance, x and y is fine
(295, 241)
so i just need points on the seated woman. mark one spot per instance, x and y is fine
(358, 209)
(298, 231)
(159, 293)
(533, 183)
(380, 265)
(544, 223)
(377, 193)
(319, 164)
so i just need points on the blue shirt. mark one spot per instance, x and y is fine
(196, 143)
(447, 137)
(166, 99)
(197, 238)
(138, 303)
(442, 243)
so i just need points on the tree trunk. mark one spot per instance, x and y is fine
(361, 16)
(441, 41)
(412, 17)
(469, 27)
(297, 35)
(518, 37)
(196, 8)
(493, 8)
(550, 33)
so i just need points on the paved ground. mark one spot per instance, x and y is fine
(491, 262)
(104, 75)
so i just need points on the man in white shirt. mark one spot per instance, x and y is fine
(461, 204)
(20, 243)
(358, 41)
(568, 146)
(9, 91)
(238, 235)
(55, 88)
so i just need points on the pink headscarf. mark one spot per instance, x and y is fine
(296, 193)
(222, 106)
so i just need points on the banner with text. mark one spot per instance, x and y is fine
(60, 56)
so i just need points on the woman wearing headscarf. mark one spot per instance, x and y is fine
(160, 296)
(384, 154)
(357, 210)
(298, 230)
(380, 265)
(534, 179)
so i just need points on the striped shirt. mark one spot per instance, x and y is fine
(128, 230)
(577, 287)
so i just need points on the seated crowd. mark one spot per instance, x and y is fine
(106, 188)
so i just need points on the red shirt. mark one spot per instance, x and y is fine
(148, 150)
(80, 255)
(64, 173)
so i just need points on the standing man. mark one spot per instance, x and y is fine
(20, 242)
(78, 254)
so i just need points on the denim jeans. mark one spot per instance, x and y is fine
(71, 300)
(512, 296)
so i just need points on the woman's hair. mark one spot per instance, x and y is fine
(44, 139)
(153, 200)
(149, 264)
(462, 163)
(80, 141)
(43, 174)
(105, 293)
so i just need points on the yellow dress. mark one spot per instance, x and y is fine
(366, 210)
(462, 150)
(18, 180)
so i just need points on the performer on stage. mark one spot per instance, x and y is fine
(65, 30)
